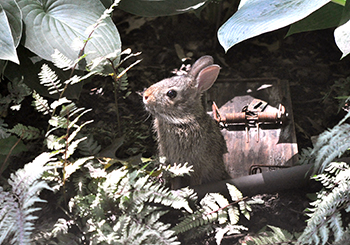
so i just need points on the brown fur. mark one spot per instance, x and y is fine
(185, 132)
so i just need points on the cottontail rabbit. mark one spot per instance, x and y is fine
(185, 132)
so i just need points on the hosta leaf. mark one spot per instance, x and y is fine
(342, 33)
(256, 17)
(326, 17)
(58, 24)
(10, 30)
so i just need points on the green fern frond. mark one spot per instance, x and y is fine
(49, 79)
(305, 156)
(54, 142)
(76, 79)
(25, 132)
(325, 218)
(89, 147)
(214, 208)
(331, 144)
(345, 238)
(237, 196)
(67, 119)
(143, 191)
(135, 214)
(74, 166)
(3, 129)
(16, 215)
(59, 102)
(18, 90)
(61, 61)
(228, 229)
(41, 104)
(72, 147)
(78, 127)
(147, 231)
(73, 80)
(57, 122)
(276, 236)
(336, 143)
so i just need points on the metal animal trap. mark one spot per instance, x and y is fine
(257, 123)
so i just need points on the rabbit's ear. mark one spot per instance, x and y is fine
(201, 63)
(207, 77)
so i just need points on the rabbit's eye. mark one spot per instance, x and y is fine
(171, 94)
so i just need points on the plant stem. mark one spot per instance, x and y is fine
(115, 87)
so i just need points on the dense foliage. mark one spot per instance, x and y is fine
(109, 201)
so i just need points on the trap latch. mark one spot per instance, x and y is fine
(253, 114)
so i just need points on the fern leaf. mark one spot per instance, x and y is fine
(25, 132)
(77, 79)
(72, 167)
(326, 216)
(137, 221)
(213, 203)
(26, 187)
(336, 225)
(54, 142)
(323, 233)
(77, 130)
(73, 80)
(337, 145)
(229, 229)
(191, 221)
(61, 61)
(146, 191)
(59, 102)
(234, 192)
(3, 130)
(345, 238)
(18, 90)
(41, 104)
(69, 110)
(49, 79)
(215, 208)
(244, 208)
(276, 236)
(331, 144)
(57, 122)
(89, 147)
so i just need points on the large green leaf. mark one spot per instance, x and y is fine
(326, 17)
(160, 8)
(57, 24)
(10, 30)
(342, 33)
(256, 17)
(342, 38)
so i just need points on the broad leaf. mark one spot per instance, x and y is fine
(326, 17)
(342, 33)
(342, 38)
(256, 17)
(10, 30)
(58, 24)
(160, 8)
